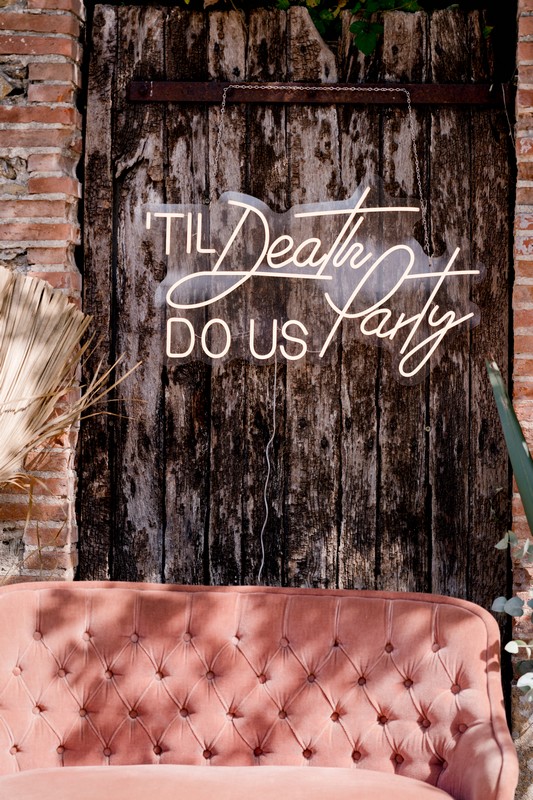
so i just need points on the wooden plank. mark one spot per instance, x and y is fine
(359, 162)
(187, 393)
(264, 415)
(95, 507)
(403, 535)
(313, 416)
(450, 399)
(491, 236)
(300, 93)
(138, 157)
(227, 59)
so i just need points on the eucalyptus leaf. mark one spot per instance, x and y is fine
(514, 607)
(525, 681)
(498, 604)
(512, 646)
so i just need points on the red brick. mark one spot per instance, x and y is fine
(54, 72)
(523, 391)
(525, 170)
(525, 26)
(524, 245)
(62, 185)
(76, 6)
(34, 208)
(524, 98)
(60, 280)
(49, 255)
(37, 231)
(522, 294)
(50, 560)
(523, 343)
(39, 114)
(40, 23)
(524, 196)
(13, 44)
(44, 512)
(523, 318)
(524, 220)
(524, 145)
(48, 137)
(525, 51)
(49, 461)
(57, 93)
(56, 536)
(524, 269)
(526, 5)
(50, 162)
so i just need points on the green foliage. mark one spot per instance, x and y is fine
(521, 552)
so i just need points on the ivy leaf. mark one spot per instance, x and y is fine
(312, 3)
(283, 5)
(487, 30)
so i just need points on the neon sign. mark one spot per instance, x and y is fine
(243, 281)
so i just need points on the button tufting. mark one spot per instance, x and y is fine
(262, 678)
(107, 752)
(108, 674)
(37, 635)
(36, 709)
(60, 750)
(435, 647)
(235, 640)
(336, 643)
(159, 675)
(186, 637)
(408, 683)
(83, 712)
(389, 648)
(158, 750)
(207, 754)
(282, 714)
(456, 688)
(425, 723)
(311, 678)
(210, 675)
(284, 642)
(86, 636)
(361, 681)
(134, 638)
(258, 752)
(133, 713)
(444, 765)
(382, 719)
(14, 750)
(184, 712)
(307, 753)
(230, 715)
(17, 671)
(335, 716)
(398, 758)
(61, 673)
(462, 727)
(356, 755)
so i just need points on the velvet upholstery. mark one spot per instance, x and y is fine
(115, 674)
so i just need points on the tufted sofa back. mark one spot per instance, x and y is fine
(109, 673)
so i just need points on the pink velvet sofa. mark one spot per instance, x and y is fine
(115, 691)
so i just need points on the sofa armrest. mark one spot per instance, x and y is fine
(483, 765)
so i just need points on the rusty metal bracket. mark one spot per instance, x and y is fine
(426, 94)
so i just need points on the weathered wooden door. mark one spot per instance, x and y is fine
(373, 483)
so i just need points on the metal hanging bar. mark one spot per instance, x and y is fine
(430, 94)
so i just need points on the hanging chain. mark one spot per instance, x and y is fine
(297, 88)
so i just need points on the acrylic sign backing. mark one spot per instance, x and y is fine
(233, 264)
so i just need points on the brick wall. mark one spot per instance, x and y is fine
(40, 146)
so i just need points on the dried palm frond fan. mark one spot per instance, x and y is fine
(40, 348)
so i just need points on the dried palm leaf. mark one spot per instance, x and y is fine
(40, 348)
